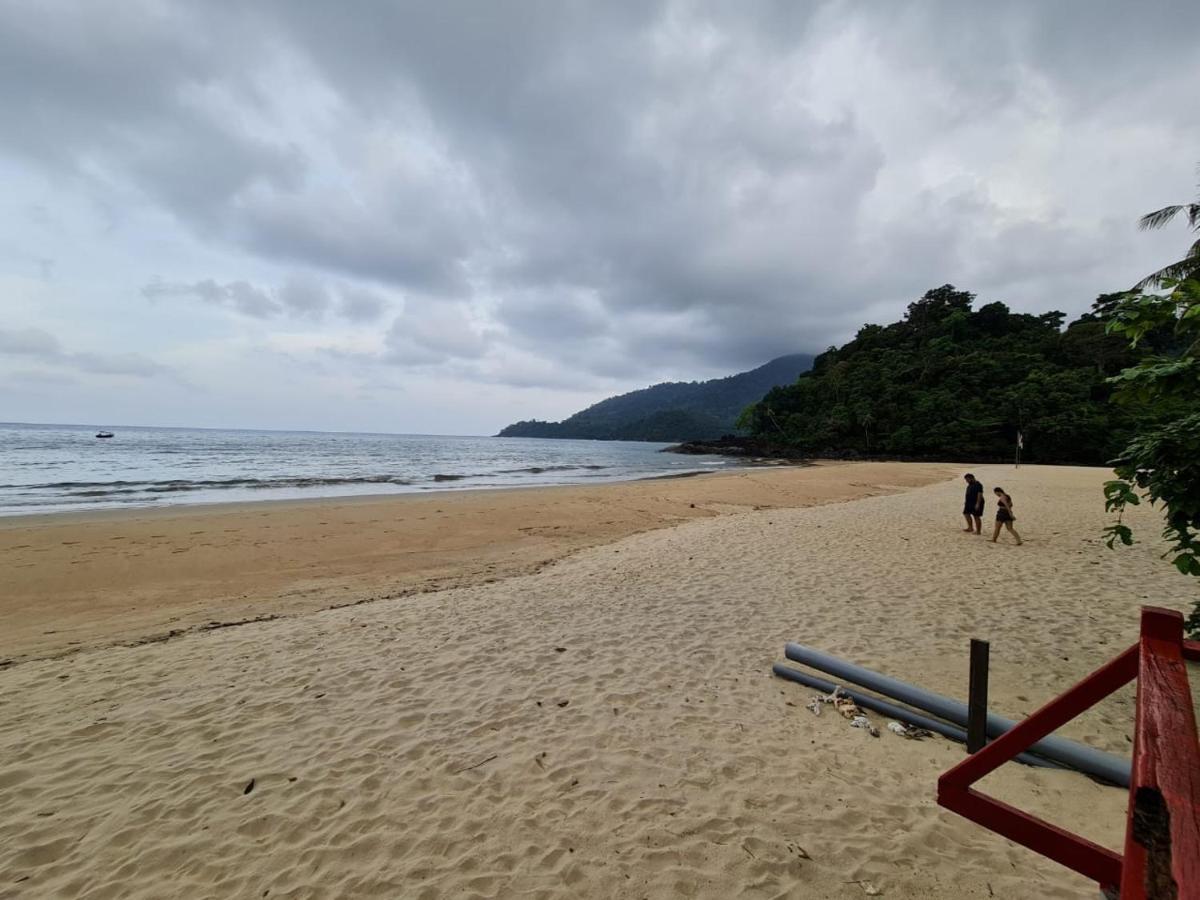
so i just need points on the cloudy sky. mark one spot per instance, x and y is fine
(443, 217)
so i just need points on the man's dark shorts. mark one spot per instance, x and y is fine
(971, 511)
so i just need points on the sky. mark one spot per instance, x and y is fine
(444, 217)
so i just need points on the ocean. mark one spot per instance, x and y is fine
(56, 468)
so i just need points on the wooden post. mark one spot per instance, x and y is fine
(977, 697)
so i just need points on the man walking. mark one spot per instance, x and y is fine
(973, 505)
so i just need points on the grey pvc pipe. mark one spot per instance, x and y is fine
(1089, 760)
(867, 701)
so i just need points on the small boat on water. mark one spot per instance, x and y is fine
(104, 434)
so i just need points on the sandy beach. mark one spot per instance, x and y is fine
(565, 692)
(76, 581)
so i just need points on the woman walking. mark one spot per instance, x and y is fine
(1004, 515)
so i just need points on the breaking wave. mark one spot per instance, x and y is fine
(115, 488)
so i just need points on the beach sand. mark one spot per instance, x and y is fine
(77, 581)
(604, 726)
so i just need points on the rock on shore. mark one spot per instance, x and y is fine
(732, 445)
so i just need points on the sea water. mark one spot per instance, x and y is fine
(53, 468)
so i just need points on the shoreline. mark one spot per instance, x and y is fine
(25, 519)
(88, 579)
(18, 519)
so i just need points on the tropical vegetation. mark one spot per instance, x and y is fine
(1161, 463)
(952, 381)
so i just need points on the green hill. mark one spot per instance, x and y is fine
(672, 411)
(951, 382)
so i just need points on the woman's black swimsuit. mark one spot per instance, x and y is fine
(1003, 515)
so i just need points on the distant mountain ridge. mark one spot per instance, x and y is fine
(673, 410)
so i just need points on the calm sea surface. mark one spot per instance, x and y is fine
(52, 468)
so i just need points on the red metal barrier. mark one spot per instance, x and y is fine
(1162, 844)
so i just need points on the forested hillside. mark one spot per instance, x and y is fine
(954, 382)
(672, 411)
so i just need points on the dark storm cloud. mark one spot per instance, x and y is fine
(629, 188)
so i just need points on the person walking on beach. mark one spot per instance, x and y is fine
(1004, 515)
(973, 505)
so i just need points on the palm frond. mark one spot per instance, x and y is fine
(1185, 268)
(1189, 267)
(1193, 215)
(1159, 218)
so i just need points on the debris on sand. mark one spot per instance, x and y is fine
(912, 732)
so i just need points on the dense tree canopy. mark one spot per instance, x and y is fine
(955, 382)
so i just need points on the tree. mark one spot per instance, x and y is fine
(1162, 462)
(937, 305)
(1189, 266)
(949, 382)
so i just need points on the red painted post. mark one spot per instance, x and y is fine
(1162, 838)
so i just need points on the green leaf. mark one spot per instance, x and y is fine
(1118, 494)
(1118, 532)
